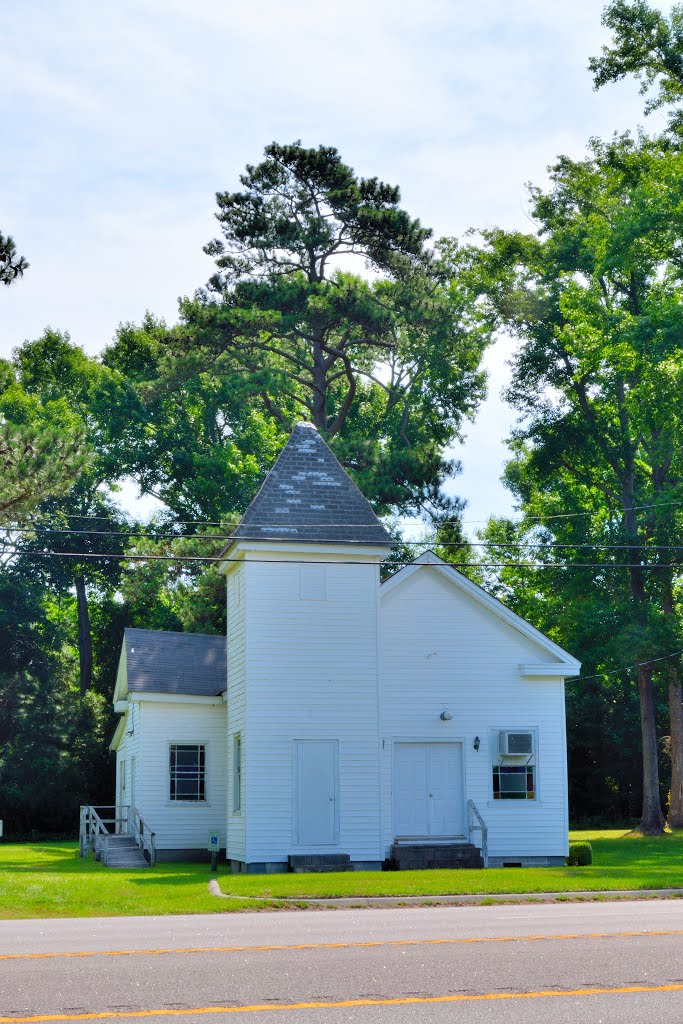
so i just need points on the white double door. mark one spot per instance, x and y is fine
(428, 790)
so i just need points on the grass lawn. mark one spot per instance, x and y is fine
(50, 880)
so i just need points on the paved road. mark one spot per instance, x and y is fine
(513, 964)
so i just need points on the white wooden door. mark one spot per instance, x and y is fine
(445, 792)
(315, 765)
(411, 772)
(428, 790)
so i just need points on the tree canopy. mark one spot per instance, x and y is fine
(648, 45)
(200, 445)
(329, 302)
(43, 447)
(12, 265)
(596, 298)
(328, 305)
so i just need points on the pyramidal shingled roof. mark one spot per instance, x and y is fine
(308, 497)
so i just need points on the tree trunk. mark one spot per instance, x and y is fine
(675, 819)
(676, 719)
(319, 402)
(84, 636)
(652, 821)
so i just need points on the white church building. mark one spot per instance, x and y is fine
(344, 722)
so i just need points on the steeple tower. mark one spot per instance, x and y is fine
(303, 604)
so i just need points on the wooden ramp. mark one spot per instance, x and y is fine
(124, 852)
(118, 836)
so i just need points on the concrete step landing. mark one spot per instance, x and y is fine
(317, 862)
(419, 856)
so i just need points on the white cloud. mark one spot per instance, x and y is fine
(123, 120)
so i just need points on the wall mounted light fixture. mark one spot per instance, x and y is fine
(446, 716)
(477, 743)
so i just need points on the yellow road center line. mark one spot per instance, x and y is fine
(400, 1001)
(341, 945)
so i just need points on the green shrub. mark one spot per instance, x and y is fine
(580, 855)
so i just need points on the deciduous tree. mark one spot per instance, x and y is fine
(385, 362)
(53, 371)
(43, 447)
(596, 299)
(648, 45)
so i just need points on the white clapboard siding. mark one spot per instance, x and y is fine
(236, 717)
(123, 753)
(312, 673)
(128, 750)
(179, 824)
(443, 651)
(122, 763)
(133, 736)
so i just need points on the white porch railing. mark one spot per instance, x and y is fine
(140, 830)
(95, 830)
(476, 822)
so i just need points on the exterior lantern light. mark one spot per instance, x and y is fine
(477, 743)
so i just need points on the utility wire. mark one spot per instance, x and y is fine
(573, 515)
(313, 561)
(455, 565)
(543, 545)
(125, 533)
(178, 522)
(444, 522)
(628, 668)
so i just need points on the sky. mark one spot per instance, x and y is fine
(120, 122)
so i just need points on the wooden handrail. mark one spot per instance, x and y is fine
(139, 832)
(93, 832)
(472, 810)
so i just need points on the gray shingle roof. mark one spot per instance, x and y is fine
(308, 496)
(159, 661)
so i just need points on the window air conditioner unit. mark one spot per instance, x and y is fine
(520, 743)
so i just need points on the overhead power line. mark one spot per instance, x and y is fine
(523, 545)
(543, 545)
(628, 668)
(63, 530)
(401, 563)
(178, 522)
(327, 561)
(443, 522)
(574, 515)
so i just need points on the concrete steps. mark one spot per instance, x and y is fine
(418, 856)
(125, 853)
(319, 862)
